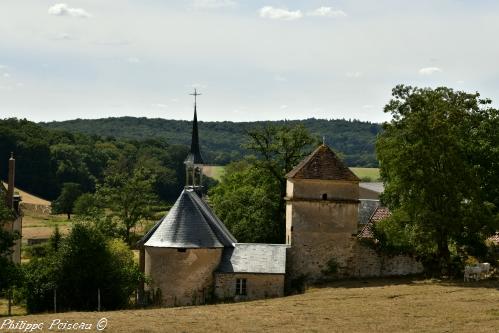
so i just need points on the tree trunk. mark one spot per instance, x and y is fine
(444, 254)
(69, 216)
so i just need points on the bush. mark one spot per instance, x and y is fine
(85, 262)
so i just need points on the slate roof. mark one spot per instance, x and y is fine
(194, 156)
(366, 210)
(377, 187)
(322, 164)
(190, 223)
(379, 214)
(254, 258)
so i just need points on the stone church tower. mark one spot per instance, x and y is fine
(322, 199)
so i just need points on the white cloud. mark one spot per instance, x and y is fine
(429, 70)
(280, 14)
(283, 107)
(353, 75)
(6, 75)
(460, 82)
(62, 9)
(327, 12)
(210, 4)
(367, 106)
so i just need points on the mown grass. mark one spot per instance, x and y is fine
(349, 306)
(371, 173)
(214, 171)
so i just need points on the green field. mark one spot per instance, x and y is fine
(216, 172)
(372, 173)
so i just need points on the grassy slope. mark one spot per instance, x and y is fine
(353, 306)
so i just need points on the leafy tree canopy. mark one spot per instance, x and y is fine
(250, 197)
(439, 162)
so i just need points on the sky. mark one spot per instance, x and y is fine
(250, 60)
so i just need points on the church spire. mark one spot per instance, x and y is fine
(194, 156)
(194, 161)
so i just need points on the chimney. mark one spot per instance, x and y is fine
(10, 188)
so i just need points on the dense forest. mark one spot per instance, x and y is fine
(221, 141)
(48, 158)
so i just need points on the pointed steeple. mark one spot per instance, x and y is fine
(194, 156)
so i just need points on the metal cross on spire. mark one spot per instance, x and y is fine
(195, 94)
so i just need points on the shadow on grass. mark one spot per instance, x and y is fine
(492, 282)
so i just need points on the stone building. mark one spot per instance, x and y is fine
(327, 224)
(322, 203)
(191, 257)
(13, 202)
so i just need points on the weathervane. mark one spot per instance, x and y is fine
(195, 94)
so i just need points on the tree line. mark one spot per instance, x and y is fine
(47, 159)
(223, 142)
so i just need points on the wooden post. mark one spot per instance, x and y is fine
(98, 299)
(55, 300)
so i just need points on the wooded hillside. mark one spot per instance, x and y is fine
(221, 141)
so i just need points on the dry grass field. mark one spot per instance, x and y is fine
(350, 306)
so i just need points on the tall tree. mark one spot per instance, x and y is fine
(433, 180)
(64, 204)
(128, 194)
(250, 197)
(247, 200)
(278, 150)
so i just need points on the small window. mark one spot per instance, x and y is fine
(324, 196)
(241, 287)
(181, 250)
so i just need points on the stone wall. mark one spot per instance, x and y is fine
(15, 225)
(365, 262)
(258, 286)
(318, 232)
(184, 278)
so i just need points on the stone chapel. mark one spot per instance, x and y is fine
(191, 258)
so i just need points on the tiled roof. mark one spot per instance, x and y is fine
(254, 258)
(366, 210)
(190, 223)
(379, 214)
(322, 164)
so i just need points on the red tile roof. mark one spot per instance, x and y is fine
(322, 164)
(378, 215)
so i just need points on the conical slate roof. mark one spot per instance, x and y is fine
(190, 223)
(322, 164)
(194, 156)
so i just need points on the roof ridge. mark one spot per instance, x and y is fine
(322, 163)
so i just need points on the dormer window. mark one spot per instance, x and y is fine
(324, 196)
